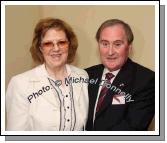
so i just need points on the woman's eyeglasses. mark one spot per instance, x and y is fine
(51, 44)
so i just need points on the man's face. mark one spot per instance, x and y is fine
(113, 47)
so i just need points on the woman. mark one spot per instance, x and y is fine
(47, 97)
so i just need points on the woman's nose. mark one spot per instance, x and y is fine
(56, 47)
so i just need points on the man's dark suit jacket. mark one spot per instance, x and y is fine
(134, 80)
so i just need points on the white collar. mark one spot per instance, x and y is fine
(113, 72)
(41, 70)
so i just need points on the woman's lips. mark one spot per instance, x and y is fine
(56, 56)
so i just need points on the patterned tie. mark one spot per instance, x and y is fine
(104, 90)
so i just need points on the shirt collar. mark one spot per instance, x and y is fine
(113, 72)
(68, 70)
(43, 72)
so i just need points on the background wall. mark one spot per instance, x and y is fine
(85, 20)
(19, 24)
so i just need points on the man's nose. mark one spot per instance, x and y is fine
(110, 50)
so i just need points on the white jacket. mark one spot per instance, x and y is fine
(42, 111)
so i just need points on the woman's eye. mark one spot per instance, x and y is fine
(47, 44)
(62, 43)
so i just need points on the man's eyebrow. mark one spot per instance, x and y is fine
(104, 40)
(118, 41)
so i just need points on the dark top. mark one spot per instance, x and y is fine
(138, 83)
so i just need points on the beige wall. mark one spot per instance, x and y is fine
(85, 20)
(19, 24)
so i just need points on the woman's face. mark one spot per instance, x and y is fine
(54, 47)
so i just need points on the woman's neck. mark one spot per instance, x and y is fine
(58, 73)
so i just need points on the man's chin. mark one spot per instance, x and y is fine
(113, 67)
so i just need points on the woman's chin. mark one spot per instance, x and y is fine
(55, 64)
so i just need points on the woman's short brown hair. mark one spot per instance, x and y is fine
(112, 22)
(42, 27)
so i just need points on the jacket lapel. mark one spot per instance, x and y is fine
(76, 88)
(51, 96)
(40, 82)
(93, 89)
(122, 81)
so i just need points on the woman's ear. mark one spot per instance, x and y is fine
(41, 49)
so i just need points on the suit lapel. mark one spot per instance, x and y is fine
(122, 81)
(93, 89)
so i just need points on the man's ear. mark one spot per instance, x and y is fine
(130, 48)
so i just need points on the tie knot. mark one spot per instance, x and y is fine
(109, 76)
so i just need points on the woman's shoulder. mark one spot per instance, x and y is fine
(27, 75)
(23, 80)
(78, 71)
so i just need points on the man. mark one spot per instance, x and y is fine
(123, 97)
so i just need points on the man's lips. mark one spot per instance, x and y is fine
(111, 58)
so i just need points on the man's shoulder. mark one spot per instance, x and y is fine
(95, 68)
(140, 69)
(141, 75)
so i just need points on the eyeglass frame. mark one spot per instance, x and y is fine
(53, 44)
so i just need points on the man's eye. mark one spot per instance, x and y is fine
(118, 44)
(105, 44)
